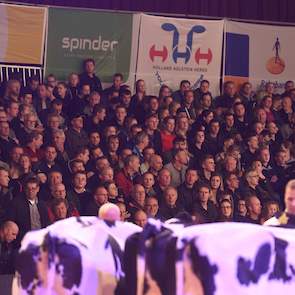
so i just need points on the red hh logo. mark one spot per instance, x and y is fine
(203, 56)
(158, 53)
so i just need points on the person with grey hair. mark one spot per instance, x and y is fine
(126, 176)
(141, 142)
(58, 140)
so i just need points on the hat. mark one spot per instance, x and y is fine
(76, 115)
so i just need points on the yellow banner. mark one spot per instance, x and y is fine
(22, 31)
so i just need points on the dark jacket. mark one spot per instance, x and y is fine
(209, 215)
(186, 196)
(19, 212)
(166, 212)
(92, 208)
(94, 82)
(75, 140)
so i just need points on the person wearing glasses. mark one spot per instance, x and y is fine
(27, 210)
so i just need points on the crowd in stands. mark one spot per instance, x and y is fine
(67, 148)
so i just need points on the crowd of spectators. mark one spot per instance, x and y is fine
(67, 148)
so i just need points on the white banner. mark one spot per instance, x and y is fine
(259, 54)
(175, 49)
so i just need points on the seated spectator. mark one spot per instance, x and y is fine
(252, 186)
(140, 218)
(151, 123)
(251, 152)
(188, 105)
(58, 191)
(167, 134)
(232, 184)
(269, 210)
(204, 206)
(124, 178)
(182, 124)
(113, 192)
(124, 214)
(227, 144)
(15, 154)
(264, 156)
(264, 183)
(177, 167)
(30, 125)
(207, 168)
(25, 168)
(76, 137)
(141, 142)
(78, 194)
(230, 165)
(253, 206)
(6, 194)
(226, 211)
(148, 152)
(163, 181)
(27, 211)
(178, 95)
(6, 142)
(228, 129)
(148, 181)
(8, 233)
(94, 99)
(100, 197)
(241, 118)
(241, 211)
(226, 101)
(49, 161)
(179, 142)
(155, 163)
(96, 122)
(197, 148)
(60, 209)
(32, 149)
(170, 208)
(112, 152)
(152, 207)
(216, 187)
(188, 189)
(53, 123)
(137, 199)
(58, 140)
(82, 154)
(205, 103)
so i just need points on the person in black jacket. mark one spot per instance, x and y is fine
(27, 211)
(170, 208)
(8, 233)
(89, 77)
(187, 191)
(6, 193)
(203, 206)
(100, 197)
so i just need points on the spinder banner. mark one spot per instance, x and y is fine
(22, 32)
(259, 54)
(174, 49)
(108, 38)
